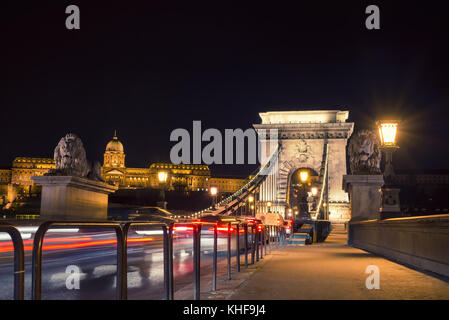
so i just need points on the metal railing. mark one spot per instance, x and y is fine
(197, 259)
(257, 241)
(36, 290)
(19, 264)
(167, 230)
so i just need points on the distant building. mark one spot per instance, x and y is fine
(189, 177)
(24, 167)
(227, 185)
(5, 176)
(5, 180)
(424, 193)
(433, 178)
(17, 181)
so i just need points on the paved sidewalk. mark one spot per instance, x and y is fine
(225, 287)
(332, 270)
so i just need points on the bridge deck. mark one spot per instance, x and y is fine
(332, 270)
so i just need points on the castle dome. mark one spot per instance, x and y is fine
(114, 145)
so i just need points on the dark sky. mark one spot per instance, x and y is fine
(146, 68)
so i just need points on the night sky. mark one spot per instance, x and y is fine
(146, 68)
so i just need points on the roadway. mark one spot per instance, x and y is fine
(95, 254)
(329, 270)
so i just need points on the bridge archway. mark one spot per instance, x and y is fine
(301, 202)
(307, 139)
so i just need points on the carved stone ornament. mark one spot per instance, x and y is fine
(364, 153)
(70, 160)
(303, 150)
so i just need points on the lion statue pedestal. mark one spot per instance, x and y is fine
(364, 195)
(365, 182)
(73, 198)
(74, 190)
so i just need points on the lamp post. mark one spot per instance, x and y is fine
(250, 204)
(269, 206)
(214, 193)
(390, 205)
(162, 178)
(303, 176)
(304, 205)
(311, 200)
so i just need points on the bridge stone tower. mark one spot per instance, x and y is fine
(308, 139)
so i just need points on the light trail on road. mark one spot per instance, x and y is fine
(8, 247)
(94, 252)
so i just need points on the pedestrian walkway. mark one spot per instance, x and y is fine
(332, 270)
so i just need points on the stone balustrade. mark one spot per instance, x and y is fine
(421, 242)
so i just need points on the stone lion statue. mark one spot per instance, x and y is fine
(95, 172)
(364, 153)
(70, 159)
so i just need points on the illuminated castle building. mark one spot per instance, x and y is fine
(16, 181)
(23, 168)
(189, 177)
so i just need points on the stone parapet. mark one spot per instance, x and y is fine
(70, 197)
(422, 242)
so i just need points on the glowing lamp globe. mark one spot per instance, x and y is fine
(162, 176)
(303, 176)
(387, 132)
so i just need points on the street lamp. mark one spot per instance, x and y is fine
(269, 206)
(390, 195)
(251, 206)
(304, 205)
(162, 177)
(303, 176)
(214, 193)
(311, 201)
(387, 133)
